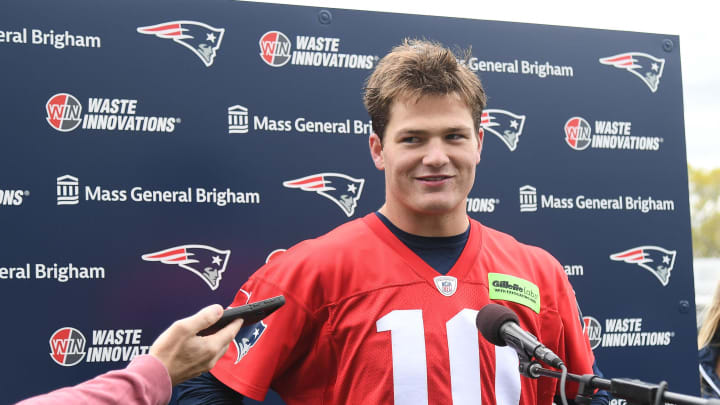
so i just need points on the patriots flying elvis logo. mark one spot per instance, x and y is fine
(339, 188)
(506, 125)
(202, 39)
(248, 335)
(204, 261)
(654, 259)
(647, 67)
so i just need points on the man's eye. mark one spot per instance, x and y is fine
(410, 139)
(455, 136)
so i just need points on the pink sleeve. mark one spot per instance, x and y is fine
(144, 381)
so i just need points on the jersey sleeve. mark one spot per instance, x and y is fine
(574, 344)
(206, 389)
(264, 350)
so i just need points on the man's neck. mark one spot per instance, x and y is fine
(449, 224)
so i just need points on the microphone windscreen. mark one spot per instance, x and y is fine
(490, 319)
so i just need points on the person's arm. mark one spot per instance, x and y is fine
(177, 354)
(206, 389)
(144, 381)
(600, 397)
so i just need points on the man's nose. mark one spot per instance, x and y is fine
(435, 153)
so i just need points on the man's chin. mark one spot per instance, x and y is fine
(439, 208)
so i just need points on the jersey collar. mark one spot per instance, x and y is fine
(462, 266)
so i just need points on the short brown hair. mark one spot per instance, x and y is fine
(416, 68)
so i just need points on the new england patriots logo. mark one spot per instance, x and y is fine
(248, 335)
(647, 67)
(341, 189)
(202, 39)
(654, 259)
(206, 262)
(506, 125)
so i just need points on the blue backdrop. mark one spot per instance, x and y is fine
(135, 133)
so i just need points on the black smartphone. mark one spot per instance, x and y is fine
(251, 313)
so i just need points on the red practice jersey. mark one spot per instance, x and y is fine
(369, 322)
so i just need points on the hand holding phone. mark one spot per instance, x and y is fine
(250, 313)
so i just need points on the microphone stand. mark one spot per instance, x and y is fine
(636, 392)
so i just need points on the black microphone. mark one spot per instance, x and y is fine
(500, 326)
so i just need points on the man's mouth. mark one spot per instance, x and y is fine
(433, 178)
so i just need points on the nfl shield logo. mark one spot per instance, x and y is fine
(447, 285)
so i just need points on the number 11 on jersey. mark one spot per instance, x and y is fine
(410, 361)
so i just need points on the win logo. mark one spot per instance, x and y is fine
(67, 346)
(64, 112)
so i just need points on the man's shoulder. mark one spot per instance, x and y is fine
(503, 253)
(325, 269)
(495, 241)
(324, 253)
(343, 238)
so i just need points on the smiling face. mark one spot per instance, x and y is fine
(429, 153)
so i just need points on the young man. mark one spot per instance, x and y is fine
(382, 309)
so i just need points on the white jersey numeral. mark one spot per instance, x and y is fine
(408, 355)
(410, 362)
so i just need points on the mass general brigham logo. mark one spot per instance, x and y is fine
(68, 190)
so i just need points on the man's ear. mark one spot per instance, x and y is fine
(376, 151)
(481, 135)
